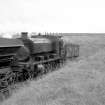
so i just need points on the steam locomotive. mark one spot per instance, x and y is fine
(27, 57)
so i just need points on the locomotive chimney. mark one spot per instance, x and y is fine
(39, 34)
(24, 35)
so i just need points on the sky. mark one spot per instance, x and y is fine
(69, 16)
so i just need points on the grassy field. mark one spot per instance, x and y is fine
(81, 82)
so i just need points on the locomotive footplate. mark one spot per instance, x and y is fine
(36, 63)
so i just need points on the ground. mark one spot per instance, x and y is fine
(79, 82)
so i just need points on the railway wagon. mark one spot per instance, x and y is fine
(72, 50)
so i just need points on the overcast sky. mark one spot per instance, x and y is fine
(52, 15)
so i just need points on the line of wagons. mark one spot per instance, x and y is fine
(28, 57)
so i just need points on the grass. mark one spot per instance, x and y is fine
(81, 82)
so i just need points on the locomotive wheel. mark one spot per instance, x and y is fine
(26, 75)
(11, 80)
(58, 64)
(52, 65)
(31, 74)
(45, 68)
(48, 67)
(19, 77)
(40, 69)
